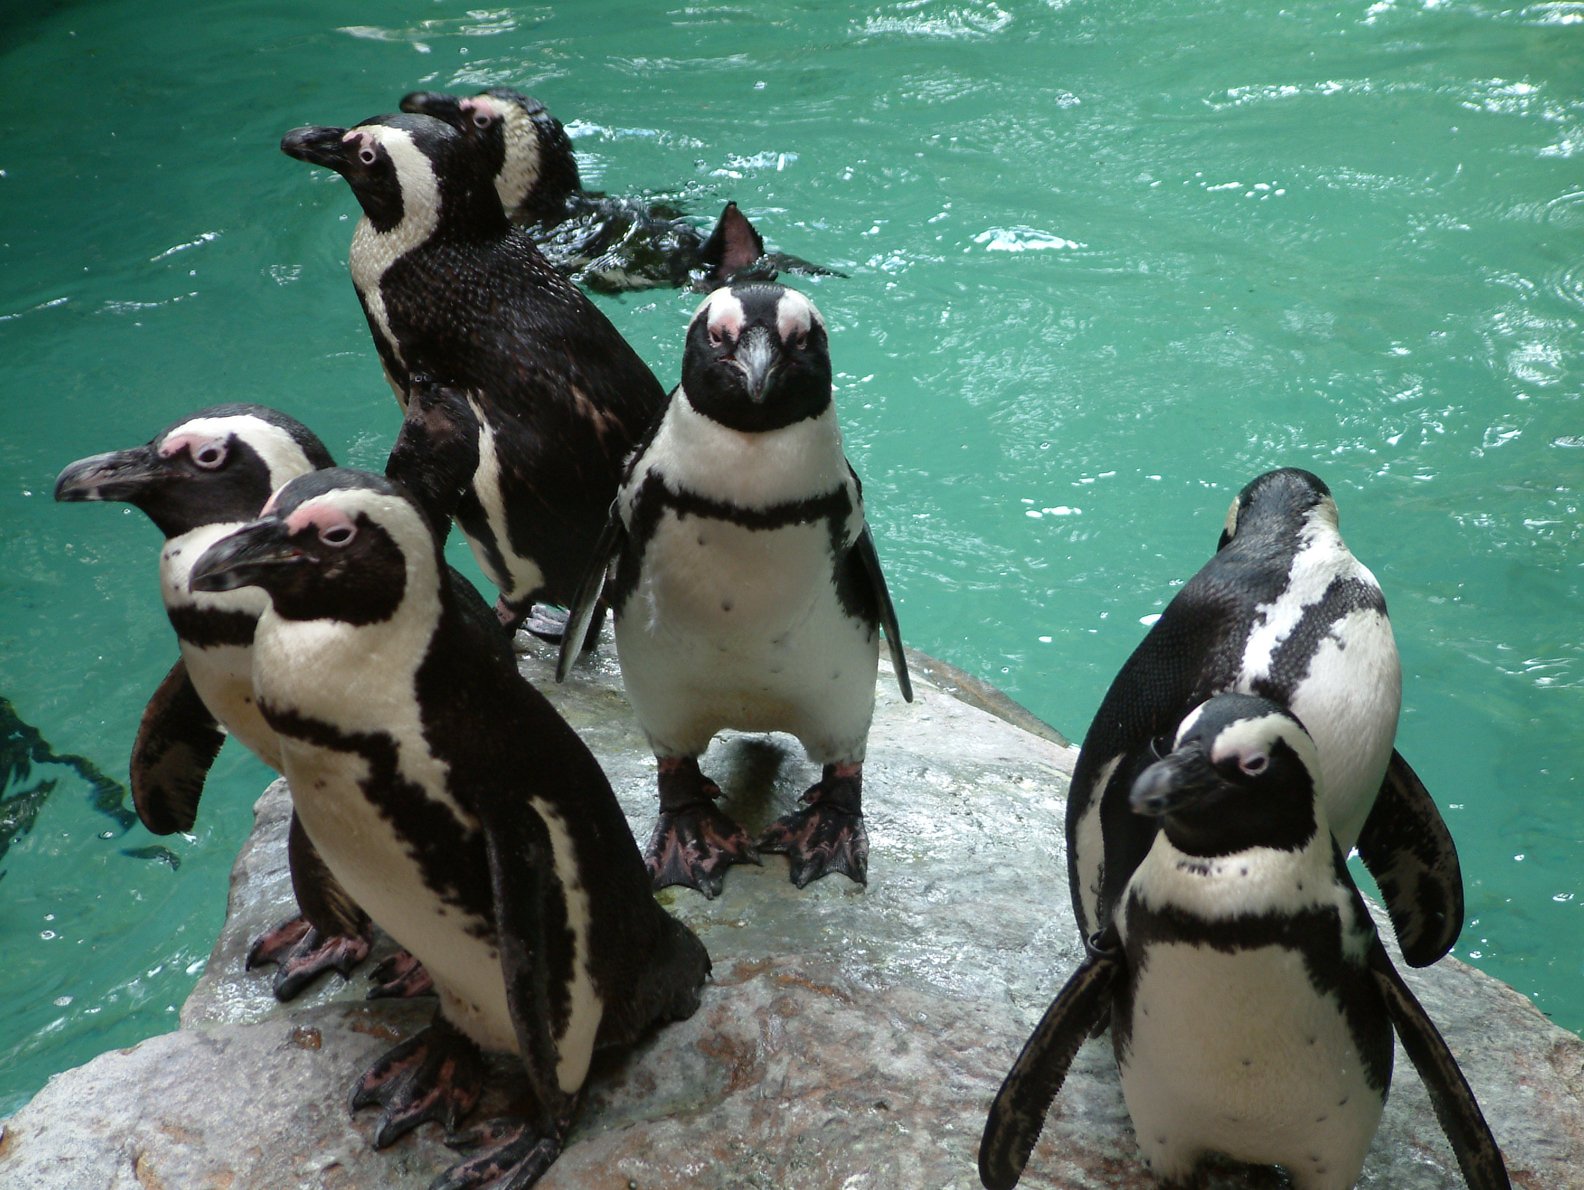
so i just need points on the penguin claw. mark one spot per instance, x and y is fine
(693, 846)
(827, 836)
(399, 976)
(437, 1074)
(546, 622)
(302, 953)
(507, 1155)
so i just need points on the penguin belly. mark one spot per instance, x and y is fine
(741, 628)
(1238, 1054)
(377, 868)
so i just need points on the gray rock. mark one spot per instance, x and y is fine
(850, 1037)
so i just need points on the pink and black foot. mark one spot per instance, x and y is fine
(508, 1152)
(829, 835)
(437, 1074)
(302, 953)
(399, 976)
(693, 843)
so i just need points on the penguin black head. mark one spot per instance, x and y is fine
(757, 358)
(1242, 773)
(337, 544)
(217, 465)
(525, 148)
(1283, 500)
(406, 169)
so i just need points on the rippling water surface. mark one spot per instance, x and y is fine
(1105, 262)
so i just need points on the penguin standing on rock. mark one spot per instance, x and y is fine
(1252, 1003)
(747, 591)
(1285, 611)
(609, 244)
(457, 296)
(197, 481)
(453, 802)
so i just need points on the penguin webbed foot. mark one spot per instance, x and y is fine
(506, 1153)
(437, 1074)
(399, 976)
(828, 835)
(693, 842)
(301, 953)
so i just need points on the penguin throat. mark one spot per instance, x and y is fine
(1218, 832)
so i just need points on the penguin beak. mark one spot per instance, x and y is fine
(317, 145)
(437, 104)
(247, 558)
(757, 356)
(1180, 780)
(114, 475)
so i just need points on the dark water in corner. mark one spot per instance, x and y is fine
(1106, 261)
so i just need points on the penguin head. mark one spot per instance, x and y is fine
(757, 358)
(1242, 773)
(407, 171)
(217, 465)
(525, 148)
(1282, 501)
(337, 544)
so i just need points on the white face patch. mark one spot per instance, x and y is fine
(795, 316)
(1248, 740)
(724, 314)
(278, 449)
(520, 170)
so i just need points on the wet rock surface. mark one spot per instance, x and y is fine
(850, 1037)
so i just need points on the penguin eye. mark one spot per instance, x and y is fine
(337, 535)
(210, 456)
(715, 337)
(482, 120)
(367, 155)
(1253, 764)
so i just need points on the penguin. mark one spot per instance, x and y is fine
(457, 295)
(746, 589)
(457, 806)
(1252, 1003)
(609, 244)
(1283, 610)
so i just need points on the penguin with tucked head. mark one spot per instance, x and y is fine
(454, 803)
(1283, 610)
(1252, 1003)
(746, 588)
(199, 479)
(608, 243)
(458, 296)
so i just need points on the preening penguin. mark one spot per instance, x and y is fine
(1285, 611)
(1252, 1005)
(197, 480)
(456, 294)
(747, 591)
(456, 806)
(608, 243)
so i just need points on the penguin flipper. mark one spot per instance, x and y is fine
(733, 248)
(436, 452)
(869, 562)
(581, 612)
(1406, 846)
(1478, 1155)
(1017, 1114)
(177, 742)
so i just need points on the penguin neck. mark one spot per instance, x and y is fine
(1256, 880)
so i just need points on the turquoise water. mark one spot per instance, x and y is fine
(1106, 262)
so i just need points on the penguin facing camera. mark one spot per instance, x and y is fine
(609, 244)
(197, 480)
(1282, 610)
(1252, 1004)
(458, 807)
(746, 589)
(457, 296)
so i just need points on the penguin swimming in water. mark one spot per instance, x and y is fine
(747, 591)
(457, 295)
(1252, 1003)
(454, 803)
(609, 244)
(198, 479)
(1285, 611)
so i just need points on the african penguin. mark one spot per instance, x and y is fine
(1252, 1003)
(197, 480)
(456, 806)
(456, 294)
(1285, 611)
(746, 588)
(609, 244)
